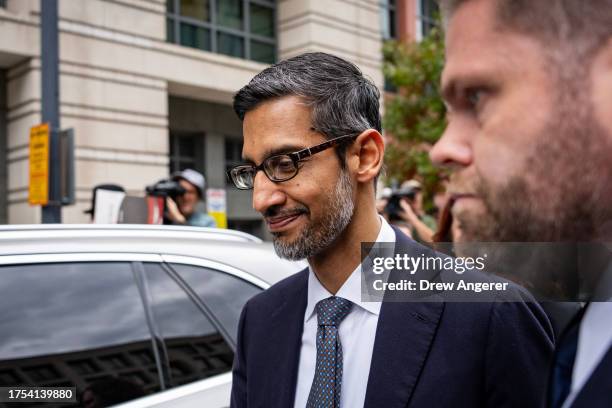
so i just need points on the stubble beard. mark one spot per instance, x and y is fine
(561, 197)
(562, 194)
(316, 237)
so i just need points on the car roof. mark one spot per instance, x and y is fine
(213, 233)
(233, 248)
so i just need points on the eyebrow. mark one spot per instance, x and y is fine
(461, 78)
(457, 80)
(283, 149)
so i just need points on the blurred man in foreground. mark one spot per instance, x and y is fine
(528, 86)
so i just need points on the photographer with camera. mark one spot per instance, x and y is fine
(183, 192)
(406, 205)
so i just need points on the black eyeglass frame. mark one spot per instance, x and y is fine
(296, 157)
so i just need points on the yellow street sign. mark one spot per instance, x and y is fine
(216, 206)
(39, 165)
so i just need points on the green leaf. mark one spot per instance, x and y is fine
(415, 117)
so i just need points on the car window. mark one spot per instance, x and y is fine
(76, 324)
(194, 346)
(223, 293)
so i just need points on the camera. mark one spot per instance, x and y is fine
(393, 208)
(165, 188)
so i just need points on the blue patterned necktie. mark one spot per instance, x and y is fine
(327, 382)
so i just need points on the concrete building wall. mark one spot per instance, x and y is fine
(3, 158)
(23, 112)
(123, 88)
(347, 28)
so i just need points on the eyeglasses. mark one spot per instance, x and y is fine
(280, 167)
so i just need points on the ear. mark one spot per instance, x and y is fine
(601, 85)
(366, 155)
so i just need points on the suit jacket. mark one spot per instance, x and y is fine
(426, 354)
(597, 391)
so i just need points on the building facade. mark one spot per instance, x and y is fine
(147, 85)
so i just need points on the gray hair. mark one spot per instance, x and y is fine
(343, 101)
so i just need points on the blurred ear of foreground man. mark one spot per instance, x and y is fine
(312, 152)
(528, 85)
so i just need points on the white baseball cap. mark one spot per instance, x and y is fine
(412, 184)
(194, 177)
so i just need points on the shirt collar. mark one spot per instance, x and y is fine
(351, 289)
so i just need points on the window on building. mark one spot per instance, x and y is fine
(427, 16)
(239, 28)
(388, 19)
(388, 25)
(186, 151)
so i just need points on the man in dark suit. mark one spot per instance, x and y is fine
(313, 150)
(528, 87)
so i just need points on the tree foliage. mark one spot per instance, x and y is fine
(415, 115)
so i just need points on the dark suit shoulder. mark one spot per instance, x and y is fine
(294, 285)
(514, 304)
(512, 292)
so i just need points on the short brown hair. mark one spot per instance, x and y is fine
(573, 28)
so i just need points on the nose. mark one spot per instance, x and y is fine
(454, 147)
(266, 193)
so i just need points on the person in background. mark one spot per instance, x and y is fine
(184, 210)
(440, 199)
(422, 224)
(448, 228)
(382, 201)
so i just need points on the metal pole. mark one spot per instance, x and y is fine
(49, 43)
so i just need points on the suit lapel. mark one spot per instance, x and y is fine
(284, 352)
(403, 338)
(598, 388)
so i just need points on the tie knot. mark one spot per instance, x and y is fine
(331, 311)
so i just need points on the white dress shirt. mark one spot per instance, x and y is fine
(357, 333)
(594, 340)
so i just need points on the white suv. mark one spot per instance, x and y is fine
(145, 314)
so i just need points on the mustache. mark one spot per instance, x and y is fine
(277, 211)
(461, 184)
